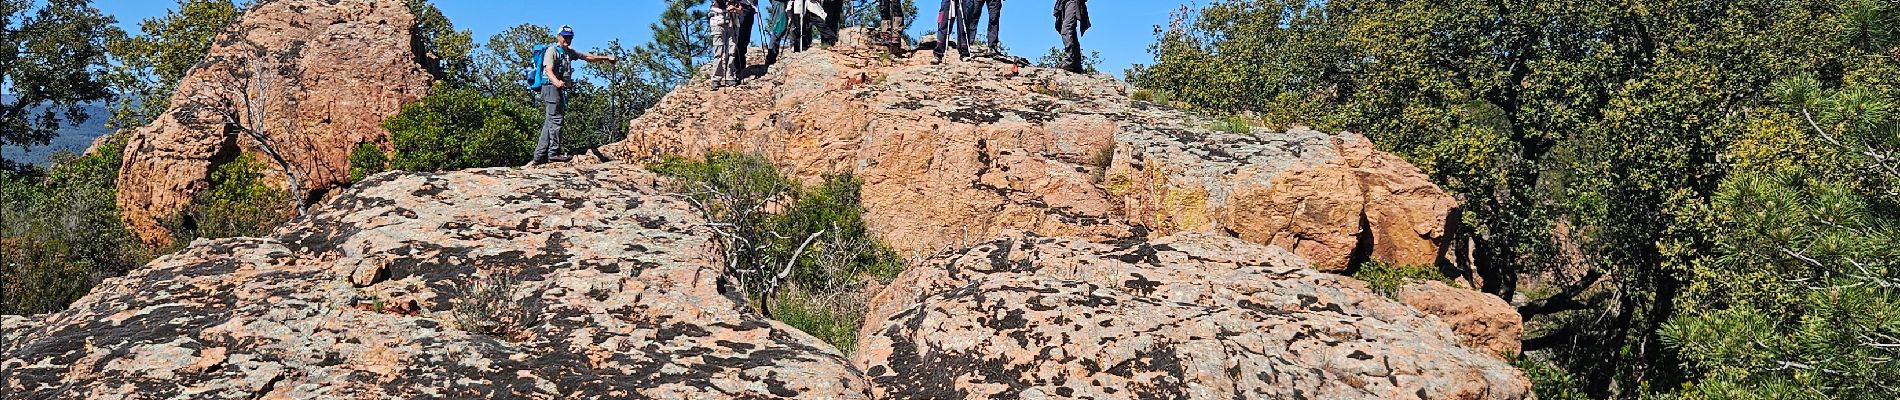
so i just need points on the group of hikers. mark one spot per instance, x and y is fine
(732, 21)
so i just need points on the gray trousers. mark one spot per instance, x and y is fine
(555, 105)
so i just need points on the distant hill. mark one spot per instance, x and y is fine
(71, 137)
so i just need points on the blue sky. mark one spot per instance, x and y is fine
(1123, 28)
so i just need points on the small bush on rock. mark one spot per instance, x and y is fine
(239, 204)
(367, 160)
(1386, 279)
(803, 255)
(486, 305)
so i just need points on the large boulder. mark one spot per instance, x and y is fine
(958, 153)
(381, 294)
(318, 77)
(1186, 317)
(1333, 199)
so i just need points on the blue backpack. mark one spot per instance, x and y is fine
(535, 79)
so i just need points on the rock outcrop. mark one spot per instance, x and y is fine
(1332, 199)
(1190, 317)
(1482, 321)
(618, 296)
(964, 152)
(317, 76)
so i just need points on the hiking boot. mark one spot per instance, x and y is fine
(534, 162)
(560, 158)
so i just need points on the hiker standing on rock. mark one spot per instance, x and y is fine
(808, 19)
(722, 35)
(553, 72)
(1072, 20)
(975, 15)
(739, 16)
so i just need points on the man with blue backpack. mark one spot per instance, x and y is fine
(553, 72)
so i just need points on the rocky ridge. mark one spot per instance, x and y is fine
(958, 153)
(1185, 317)
(618, 295)
(320, 76)
(618, 292)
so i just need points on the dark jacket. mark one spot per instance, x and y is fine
(1083, 4)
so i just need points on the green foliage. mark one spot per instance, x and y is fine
(1054, 59)
(149, 65)
(445, 51)
(1648, 129)
(1387, 279)
(1548, 381)
(1801, 298)
(805, 264)
(501, 65)
(51, 65)
(61, 233)
(1233, 124)
(454, 129)
(366, 160)
(681, 44)
(238, 204)
(865, 13)
(834, 319)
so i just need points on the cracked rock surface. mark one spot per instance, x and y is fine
(619, 294)
(963, 152)
(1185, 317)
(322, 76)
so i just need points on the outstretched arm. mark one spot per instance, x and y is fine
(589, 57)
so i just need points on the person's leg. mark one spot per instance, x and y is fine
(742, 42)
(1071, 44)
(555, 150)
(722, 64)
(943, 28)
(996, 28)
(834, 11)
(965, 35)
(548, 124)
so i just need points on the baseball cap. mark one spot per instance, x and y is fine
(567, 31)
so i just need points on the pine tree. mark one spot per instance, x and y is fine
(680, 44)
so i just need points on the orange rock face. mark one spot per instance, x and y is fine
(1482, 321)
(320, 76)
(961, 152)
(948, 155)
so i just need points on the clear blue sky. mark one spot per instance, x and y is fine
(1123, 29)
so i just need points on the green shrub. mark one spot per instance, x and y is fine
(238, 204)
(1386, 279)
(834, 319)
(806, 264)
(1548, 381)
(456, 128)
(60, 232)
(367, 160)
(1232, 125)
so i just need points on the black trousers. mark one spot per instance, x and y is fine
(742, 39)
(974, 14)
(1070, 26)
